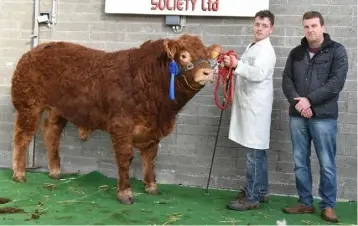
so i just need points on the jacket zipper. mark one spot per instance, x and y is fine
(308, 67)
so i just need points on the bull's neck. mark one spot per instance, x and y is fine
(154, 68)
(183, 94)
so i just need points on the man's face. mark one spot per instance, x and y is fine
(313, 30)
(262, 28)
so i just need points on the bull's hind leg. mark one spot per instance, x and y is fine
(123, 149)
(52, 130)
(25, 128)
(148, 165)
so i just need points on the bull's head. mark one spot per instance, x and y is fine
(196, 62)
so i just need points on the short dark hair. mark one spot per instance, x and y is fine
(313, 14)
(266, 13)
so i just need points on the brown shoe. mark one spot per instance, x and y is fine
(329, 215)
(299, 208)
(243, 204)
(242, 195)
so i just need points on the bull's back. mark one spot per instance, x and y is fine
(58, 63)
(62, 76)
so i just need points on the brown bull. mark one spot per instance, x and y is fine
(125, 93)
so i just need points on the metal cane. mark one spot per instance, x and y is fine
(216, 141)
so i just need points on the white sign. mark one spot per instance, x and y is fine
(223, 8)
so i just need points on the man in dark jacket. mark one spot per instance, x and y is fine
(314, 75)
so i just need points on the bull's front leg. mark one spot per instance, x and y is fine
(148, 165)
(123, 149)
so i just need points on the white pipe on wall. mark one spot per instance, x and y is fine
(35, 42)
(54, 12)
(35, 32)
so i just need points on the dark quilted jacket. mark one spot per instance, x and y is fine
(320, 79)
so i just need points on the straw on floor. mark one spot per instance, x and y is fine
(91, 199)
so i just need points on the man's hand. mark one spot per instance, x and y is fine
(303, 104)
(230, 61)
(307, 113)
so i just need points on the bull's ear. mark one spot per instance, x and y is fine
(170, 47)
(214, 51)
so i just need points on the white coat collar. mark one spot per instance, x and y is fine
(259, 43)
(263, 41)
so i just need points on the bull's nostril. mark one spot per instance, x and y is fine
(206, 73)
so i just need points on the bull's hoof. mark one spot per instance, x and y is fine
(19, 179)
(55, 176)
(153, 191)
(126, 200)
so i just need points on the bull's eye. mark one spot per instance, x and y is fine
(183, 56)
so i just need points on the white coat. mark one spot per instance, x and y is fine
(253, 97)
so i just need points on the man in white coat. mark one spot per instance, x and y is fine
(251, 110)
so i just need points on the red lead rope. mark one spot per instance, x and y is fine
(226, 74)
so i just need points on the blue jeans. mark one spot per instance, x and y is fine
(257, 174)
(323, 133)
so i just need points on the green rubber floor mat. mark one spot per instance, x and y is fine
(91, 199)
